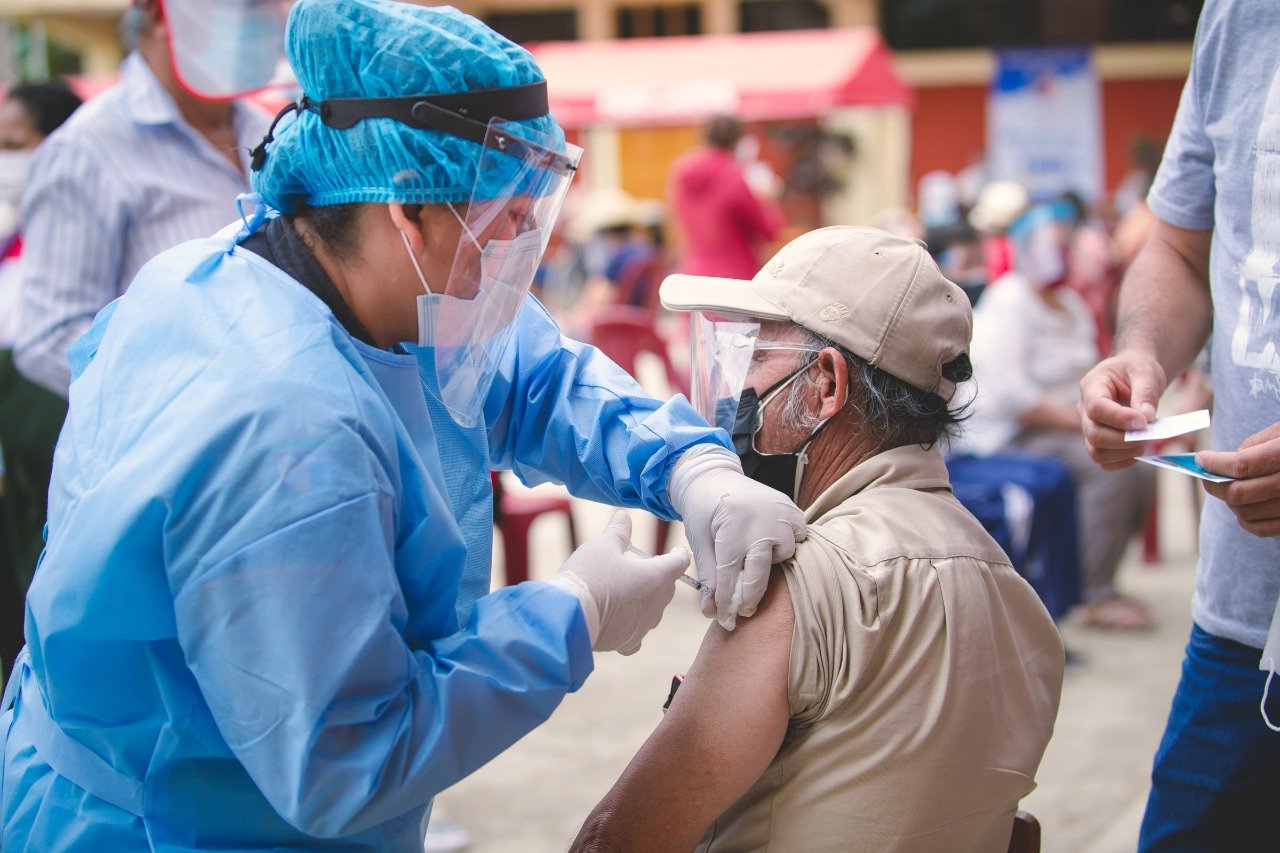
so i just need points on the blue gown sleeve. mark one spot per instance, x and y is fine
(561, 411)
(293, 623)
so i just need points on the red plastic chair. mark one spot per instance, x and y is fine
(623, 332)
(515, 516)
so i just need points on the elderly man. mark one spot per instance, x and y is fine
(898, 689)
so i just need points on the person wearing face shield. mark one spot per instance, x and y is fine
(260, 620)
(898, 685)
(1034, 339)
(30, 416)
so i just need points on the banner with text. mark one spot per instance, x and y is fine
(1044, 121)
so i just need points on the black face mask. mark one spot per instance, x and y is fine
(775, 470)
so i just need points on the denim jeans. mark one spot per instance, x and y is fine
(1216, 780)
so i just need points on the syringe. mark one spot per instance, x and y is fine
(689, 579)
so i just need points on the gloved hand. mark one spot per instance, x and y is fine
(622, 597)
(738, 529)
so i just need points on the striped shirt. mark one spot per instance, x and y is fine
(124, 179)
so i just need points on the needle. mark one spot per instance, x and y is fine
(690, 580)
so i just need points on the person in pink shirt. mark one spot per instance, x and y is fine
(725, 225)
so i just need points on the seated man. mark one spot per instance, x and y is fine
(898, 685)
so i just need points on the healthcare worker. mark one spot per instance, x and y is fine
(244, 632)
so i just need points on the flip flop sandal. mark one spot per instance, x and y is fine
(1113, 615)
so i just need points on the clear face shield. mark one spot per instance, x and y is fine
(725, 351)
(721, 357)
(1041, 240)
(521, 184)
(228, 48)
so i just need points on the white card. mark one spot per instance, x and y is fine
(1170, 426)
(1184, 463)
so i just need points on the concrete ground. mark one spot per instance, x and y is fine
(1092, 783)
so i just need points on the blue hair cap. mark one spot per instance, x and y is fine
(1039, 214)
(387, 49)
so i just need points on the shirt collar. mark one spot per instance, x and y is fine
(147, 100)
(910, 467)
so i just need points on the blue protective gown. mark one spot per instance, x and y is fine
(559, 411)
(243, 632)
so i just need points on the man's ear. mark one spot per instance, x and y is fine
(833, 382)
(407, 219)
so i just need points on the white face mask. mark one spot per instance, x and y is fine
(1269, 662)
(1045, 257)
(506, 268)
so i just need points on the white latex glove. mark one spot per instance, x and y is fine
(622, 597)
(738, 529)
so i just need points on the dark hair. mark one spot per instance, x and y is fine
(333, 224)
(723, 131)
(47, 104)
(897, 412)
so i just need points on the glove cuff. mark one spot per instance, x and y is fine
(571, 583)
(695, 462)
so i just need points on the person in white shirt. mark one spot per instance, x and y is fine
(1033, 341)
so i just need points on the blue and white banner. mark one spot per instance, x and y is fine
(1044, 121)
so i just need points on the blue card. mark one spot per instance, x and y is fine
(1184, 463)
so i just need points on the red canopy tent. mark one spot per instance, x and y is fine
(684, 80)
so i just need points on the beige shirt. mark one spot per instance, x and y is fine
(924, 677)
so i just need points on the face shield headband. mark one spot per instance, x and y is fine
(464, 114)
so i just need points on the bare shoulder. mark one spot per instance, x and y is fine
(724, 727)
(770, 625)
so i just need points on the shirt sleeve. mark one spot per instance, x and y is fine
(837, 629)
(561, 411)
(292, 618)
(1183, 193)
(74, 227)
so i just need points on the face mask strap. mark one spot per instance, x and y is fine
(414, 258)
(1271, 671)
(465, 229)
(767, 397)
(802, 457)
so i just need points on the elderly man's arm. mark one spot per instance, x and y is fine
(722, 730)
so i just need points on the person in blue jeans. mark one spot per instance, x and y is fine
(1209, 273)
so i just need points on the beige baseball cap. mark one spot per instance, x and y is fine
(880, 296)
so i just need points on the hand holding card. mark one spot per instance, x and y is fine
(1184, 463)
(1170, 427)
